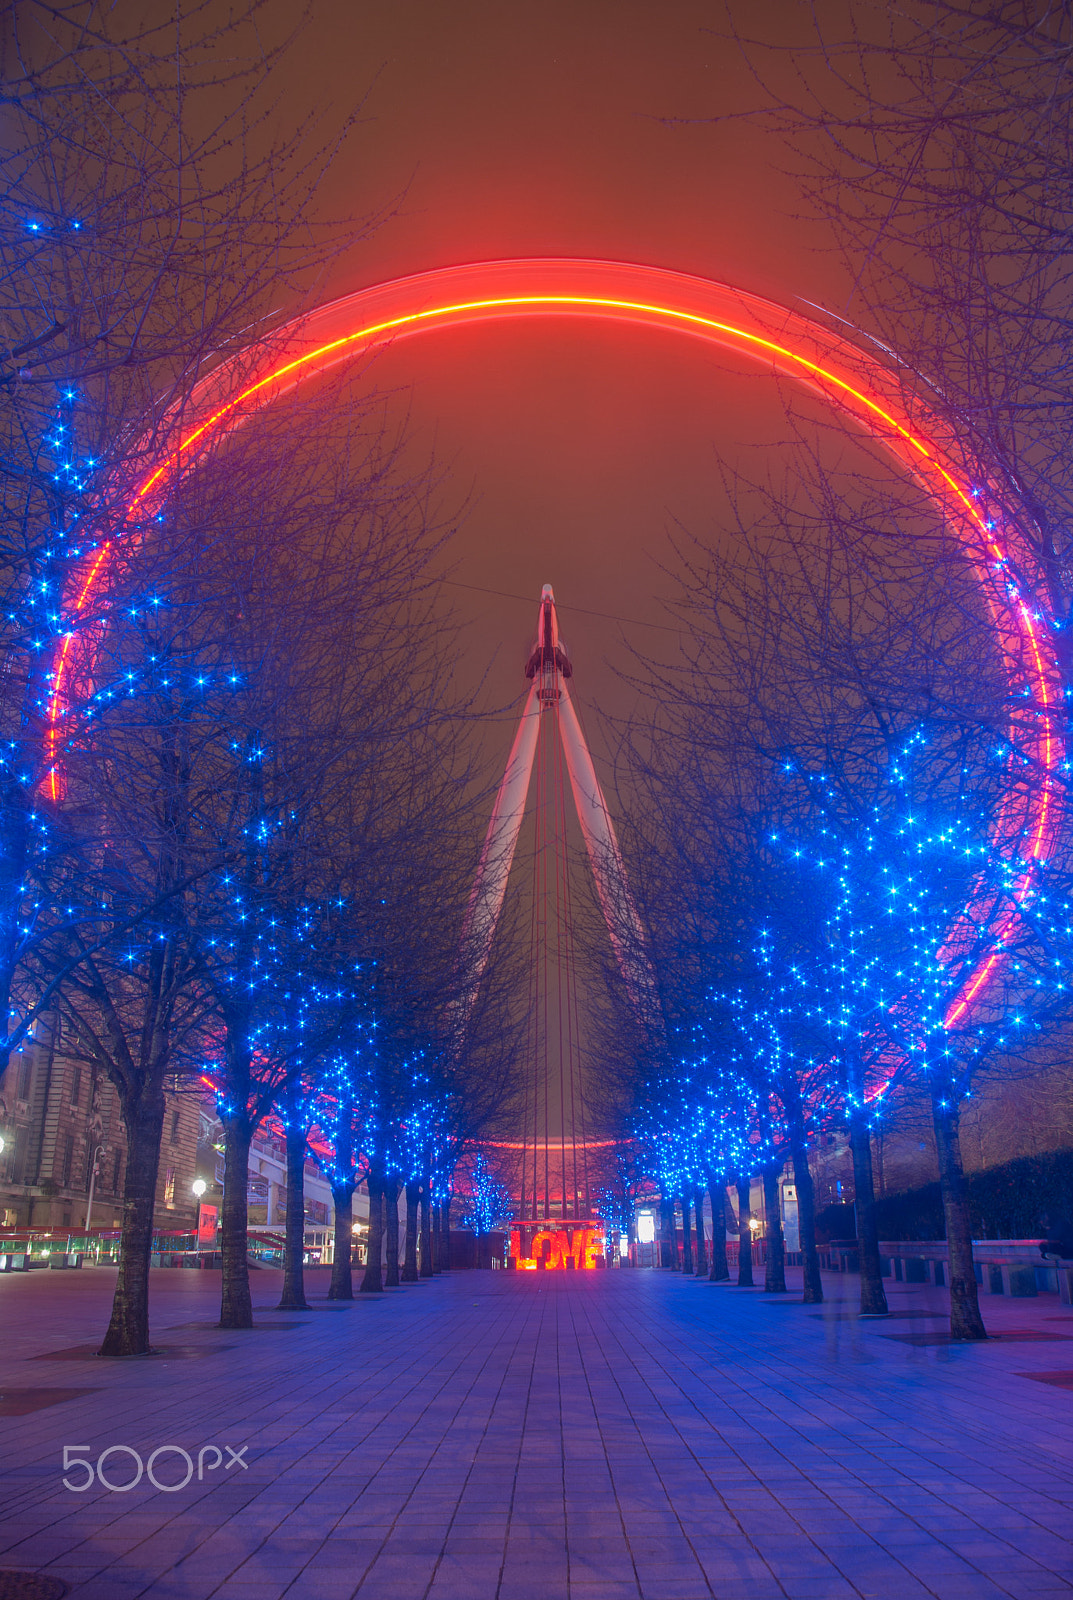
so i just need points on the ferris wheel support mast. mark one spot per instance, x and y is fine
(493, 869)
(609, 870)
(549, 668)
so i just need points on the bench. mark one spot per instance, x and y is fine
(1023, 1278)
(914, 1269)
(1012, 1267)
(1059, 1273)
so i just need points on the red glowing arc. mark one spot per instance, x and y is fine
(864, 387)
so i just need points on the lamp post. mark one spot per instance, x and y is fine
(94, 1162)
(198, 1186)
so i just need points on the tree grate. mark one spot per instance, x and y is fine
(30, 1586)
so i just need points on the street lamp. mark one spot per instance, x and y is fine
(94, 1162)
(198, 1186)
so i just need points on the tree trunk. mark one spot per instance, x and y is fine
(128, 1330)
(409, 1270)
(668, 1254)
(293, 1297)
(391, 1208)
(426, 1232)
(444, 1252)
(346, 1181)
(372, 1281)
(745, 1237)
(965, 1319)
(806, 1197)
(720, 1271)
(873, 1298)
(813, 1293)
(342, 1284)
(775, 1263)
(236, 1304)
(687, 1243)
(698, 1214)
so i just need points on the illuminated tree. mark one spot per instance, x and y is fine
(625, 1175)
(135, 790)
(912, 899)
(441, 1088)
(696, 1112)
(836, 708)
(344, 1126)
(933, 140)
(205, 779)
(139, 234)
(705, 879)
(487, 1201)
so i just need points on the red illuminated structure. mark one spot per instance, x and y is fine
(866, 387)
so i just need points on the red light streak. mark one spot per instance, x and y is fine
(867, 389)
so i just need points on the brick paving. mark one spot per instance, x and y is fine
(611, 1436)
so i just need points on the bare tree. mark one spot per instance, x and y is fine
(835, 694)
(933, 140)
(222, 719)
(147, 215)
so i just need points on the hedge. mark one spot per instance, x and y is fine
(1005, 1202)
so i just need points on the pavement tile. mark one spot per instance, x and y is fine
(604, 1591)
(826, 1588)
(672, 1588)
(599, 1567)
(263, 1589)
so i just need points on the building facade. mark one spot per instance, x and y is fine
(59, 1120)
(266, 1195)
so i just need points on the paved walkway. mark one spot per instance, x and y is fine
(619, 1436)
